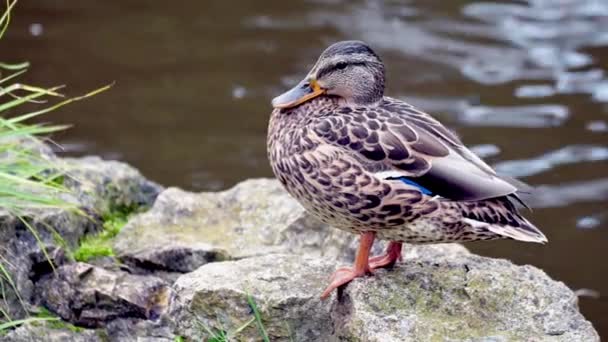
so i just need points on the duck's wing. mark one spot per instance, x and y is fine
(396, 140)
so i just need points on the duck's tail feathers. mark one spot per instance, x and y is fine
(521, 231)
(499, 216)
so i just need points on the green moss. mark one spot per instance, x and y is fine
(426, 298)
(469, 314)
(100, 244)
(58, 323)
(425, 295)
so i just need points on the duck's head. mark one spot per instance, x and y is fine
(350, 70)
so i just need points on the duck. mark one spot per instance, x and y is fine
(378, 167)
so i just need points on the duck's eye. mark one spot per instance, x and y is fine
(341, 65)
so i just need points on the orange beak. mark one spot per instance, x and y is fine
(301, 93)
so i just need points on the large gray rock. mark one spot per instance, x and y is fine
(98, 187)
(461, 298)
(45, 331)
(106, 185)
(185, 230)
(90, 296)
(285, 288)
(285, 258)
(436, 294)
(120, 330)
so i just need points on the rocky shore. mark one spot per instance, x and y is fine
(189, 266)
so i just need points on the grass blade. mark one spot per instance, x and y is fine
(18, 322)
(13, 75)
(35, 93)
(16, 66)
(242, 327)
(6, 17)
(62, 103)
(258, 318)
(39, 241)
(28, 180)
(7, 277)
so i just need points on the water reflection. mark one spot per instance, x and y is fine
(589, 222)
(597, 126)
(563, 195)
(515, 116)
(550, 160)
(485, 150)
(587, 293)
(549, 35)
(540, 40)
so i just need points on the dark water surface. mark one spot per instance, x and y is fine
(523, 82)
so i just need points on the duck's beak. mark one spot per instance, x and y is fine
(304, 91)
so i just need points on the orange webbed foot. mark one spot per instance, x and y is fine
(393, 253)
(343, 276)
(363, 265)
(361, 268)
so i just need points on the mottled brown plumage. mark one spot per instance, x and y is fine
(377, 166)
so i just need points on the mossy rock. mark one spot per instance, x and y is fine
(430, 296)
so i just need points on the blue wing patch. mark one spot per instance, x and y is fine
(411, 182)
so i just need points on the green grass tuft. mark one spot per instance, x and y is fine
(100, 245)
(29, 180)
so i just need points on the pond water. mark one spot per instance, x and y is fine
(524, 83)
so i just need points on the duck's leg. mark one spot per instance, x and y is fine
(361, 267)
(393, 253)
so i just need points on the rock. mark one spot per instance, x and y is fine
(136, 330)
(99, 186)
(107, 185)
(435, 294)
(173, 257)
(90, 296)
(121, 330)
(464, 297)
(285, 288)
(24, 259)
(185, 230)
(280, 252)
(255, 240)
(45, 331)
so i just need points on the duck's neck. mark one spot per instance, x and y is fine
(354, 103)
(369, 91)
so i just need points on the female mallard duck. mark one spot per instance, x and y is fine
(378, 167)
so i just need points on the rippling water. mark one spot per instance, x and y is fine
(524, 83)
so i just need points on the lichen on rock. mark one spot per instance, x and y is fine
(464, 297)
(430, 296)
(185, 230)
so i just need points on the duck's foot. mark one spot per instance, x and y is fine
(361, 268)
(343, 276)
(393, 253)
